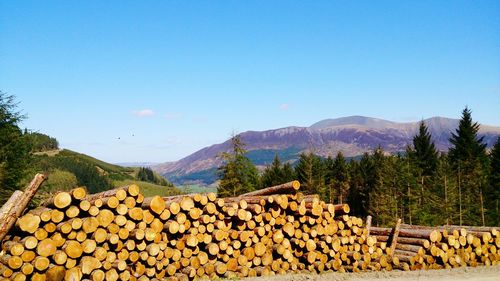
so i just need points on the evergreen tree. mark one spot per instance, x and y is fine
(467, 147)
(237, 175)
(361, 182)
(310, 173)
(424, 154)
(468, 158)
(493, 191)
(288, 173)
(14, 150)
(330, 191)
(273, 174)
(383, 200)
(341, 176)
(277, 173)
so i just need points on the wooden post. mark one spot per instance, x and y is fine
(17, 210)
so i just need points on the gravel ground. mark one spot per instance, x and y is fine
(483, 273)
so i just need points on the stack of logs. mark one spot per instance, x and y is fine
(423, 247)
(120, 235)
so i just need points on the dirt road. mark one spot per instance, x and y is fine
(484, 273)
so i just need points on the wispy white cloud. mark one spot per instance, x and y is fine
(172, 115)
(285, 106)
(143, 112)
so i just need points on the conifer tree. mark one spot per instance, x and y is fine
(493, 192)
(330, 192)
(273, 174)
(424, 154)
(341, 177)
(14, 150)
(361, 182)
(310, 173)
(288, 173)
(468, 159)
(237, 175)
(467, 146)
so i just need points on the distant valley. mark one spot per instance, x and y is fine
(352, 135)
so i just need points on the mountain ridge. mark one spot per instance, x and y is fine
(353, 135)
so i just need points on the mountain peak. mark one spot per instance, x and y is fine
(355, 120)
(352, 135)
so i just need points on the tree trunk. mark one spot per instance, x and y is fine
(16, 211)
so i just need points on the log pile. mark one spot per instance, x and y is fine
(423, 247)
(120, 235)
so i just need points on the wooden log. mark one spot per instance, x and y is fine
(28, 223)
(56, 273)
(155, 204)
(13, 200)
(289, 187)
(431, 234)
(60, 200)
(133, 190)
(342, 209)
(395, 235)
(16, 211)
(368, 225)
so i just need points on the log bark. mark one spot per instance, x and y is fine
(13, 200)
(395, 235)
(289, 187)
(16, 211)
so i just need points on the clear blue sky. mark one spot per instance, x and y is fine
(170, 77)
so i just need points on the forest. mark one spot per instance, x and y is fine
(421, 186)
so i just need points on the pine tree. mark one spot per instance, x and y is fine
(467, 146)
(424, 154)
(237, 175)
(383, 203)
(14, 149)
(493, 191)
(288, 173)
(361, 182)
(310, 173)
(273, 174)
(468, 159)
(330, 191)
(341, 177)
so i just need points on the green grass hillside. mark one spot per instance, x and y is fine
(67, 169)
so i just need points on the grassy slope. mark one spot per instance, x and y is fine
(129, 173)
(103, 165)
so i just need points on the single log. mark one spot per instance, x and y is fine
(133, 190)
(28, 223)
(155, 204)
(342, 209)
(368, 225)
(56, 273)
(16, 211)
(431, 234)
(395, 235)
(13, 200)
(60, 200)
(289, 187)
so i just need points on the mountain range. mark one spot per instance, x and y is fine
(353, 136)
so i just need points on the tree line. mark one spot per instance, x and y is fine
(420, 186)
